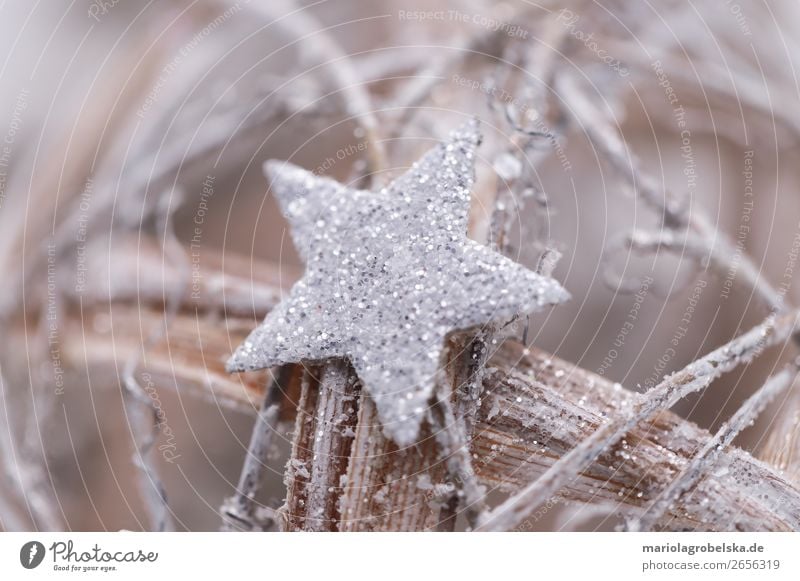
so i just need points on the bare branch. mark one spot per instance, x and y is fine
(484, 41)
(782, 449)
(240, 510)
(514, 435)
(695, 377)
(709, 454)
(673, 211)
(326, 417)
(453, 432)
(300, 25)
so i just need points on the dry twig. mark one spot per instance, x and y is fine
(515, 440)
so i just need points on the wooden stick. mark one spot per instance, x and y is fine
(695, 377)
(324, 430)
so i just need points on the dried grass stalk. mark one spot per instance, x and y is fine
(536, 409)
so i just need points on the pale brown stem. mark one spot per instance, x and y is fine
(708, 455)
(695, 377)
(521, 432)
(535, 409)
(240, 511)
(324, 430)
(782, 449)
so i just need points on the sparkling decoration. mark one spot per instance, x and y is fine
(388, 275)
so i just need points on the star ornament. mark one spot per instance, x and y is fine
(388, 275)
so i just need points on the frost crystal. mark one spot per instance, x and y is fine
(388, 275)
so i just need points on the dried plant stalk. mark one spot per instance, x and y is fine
(782, 448)
(695, 377)
(389, 489)
(516, 440)
(563, 405)
(708, 455)
(527, 423)
(334, 64)
(673, 211)
(240, 510)
(326, 416)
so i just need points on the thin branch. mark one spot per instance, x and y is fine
(241, 510)
(26, 473)
(299, 25)
(548, 261)
(693, 378)
(453, 433)
(153, 491)
(683, 244)
(484, 41)
(730, 85)
(782, 449)
(709, 454)
(673, 211)
(145, 435)
(535, 410)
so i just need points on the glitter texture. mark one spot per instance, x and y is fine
(388, 275)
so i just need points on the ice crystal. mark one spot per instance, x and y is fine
(388, 275)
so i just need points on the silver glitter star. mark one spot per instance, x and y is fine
(388, 275)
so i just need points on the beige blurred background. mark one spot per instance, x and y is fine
(149, 99)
